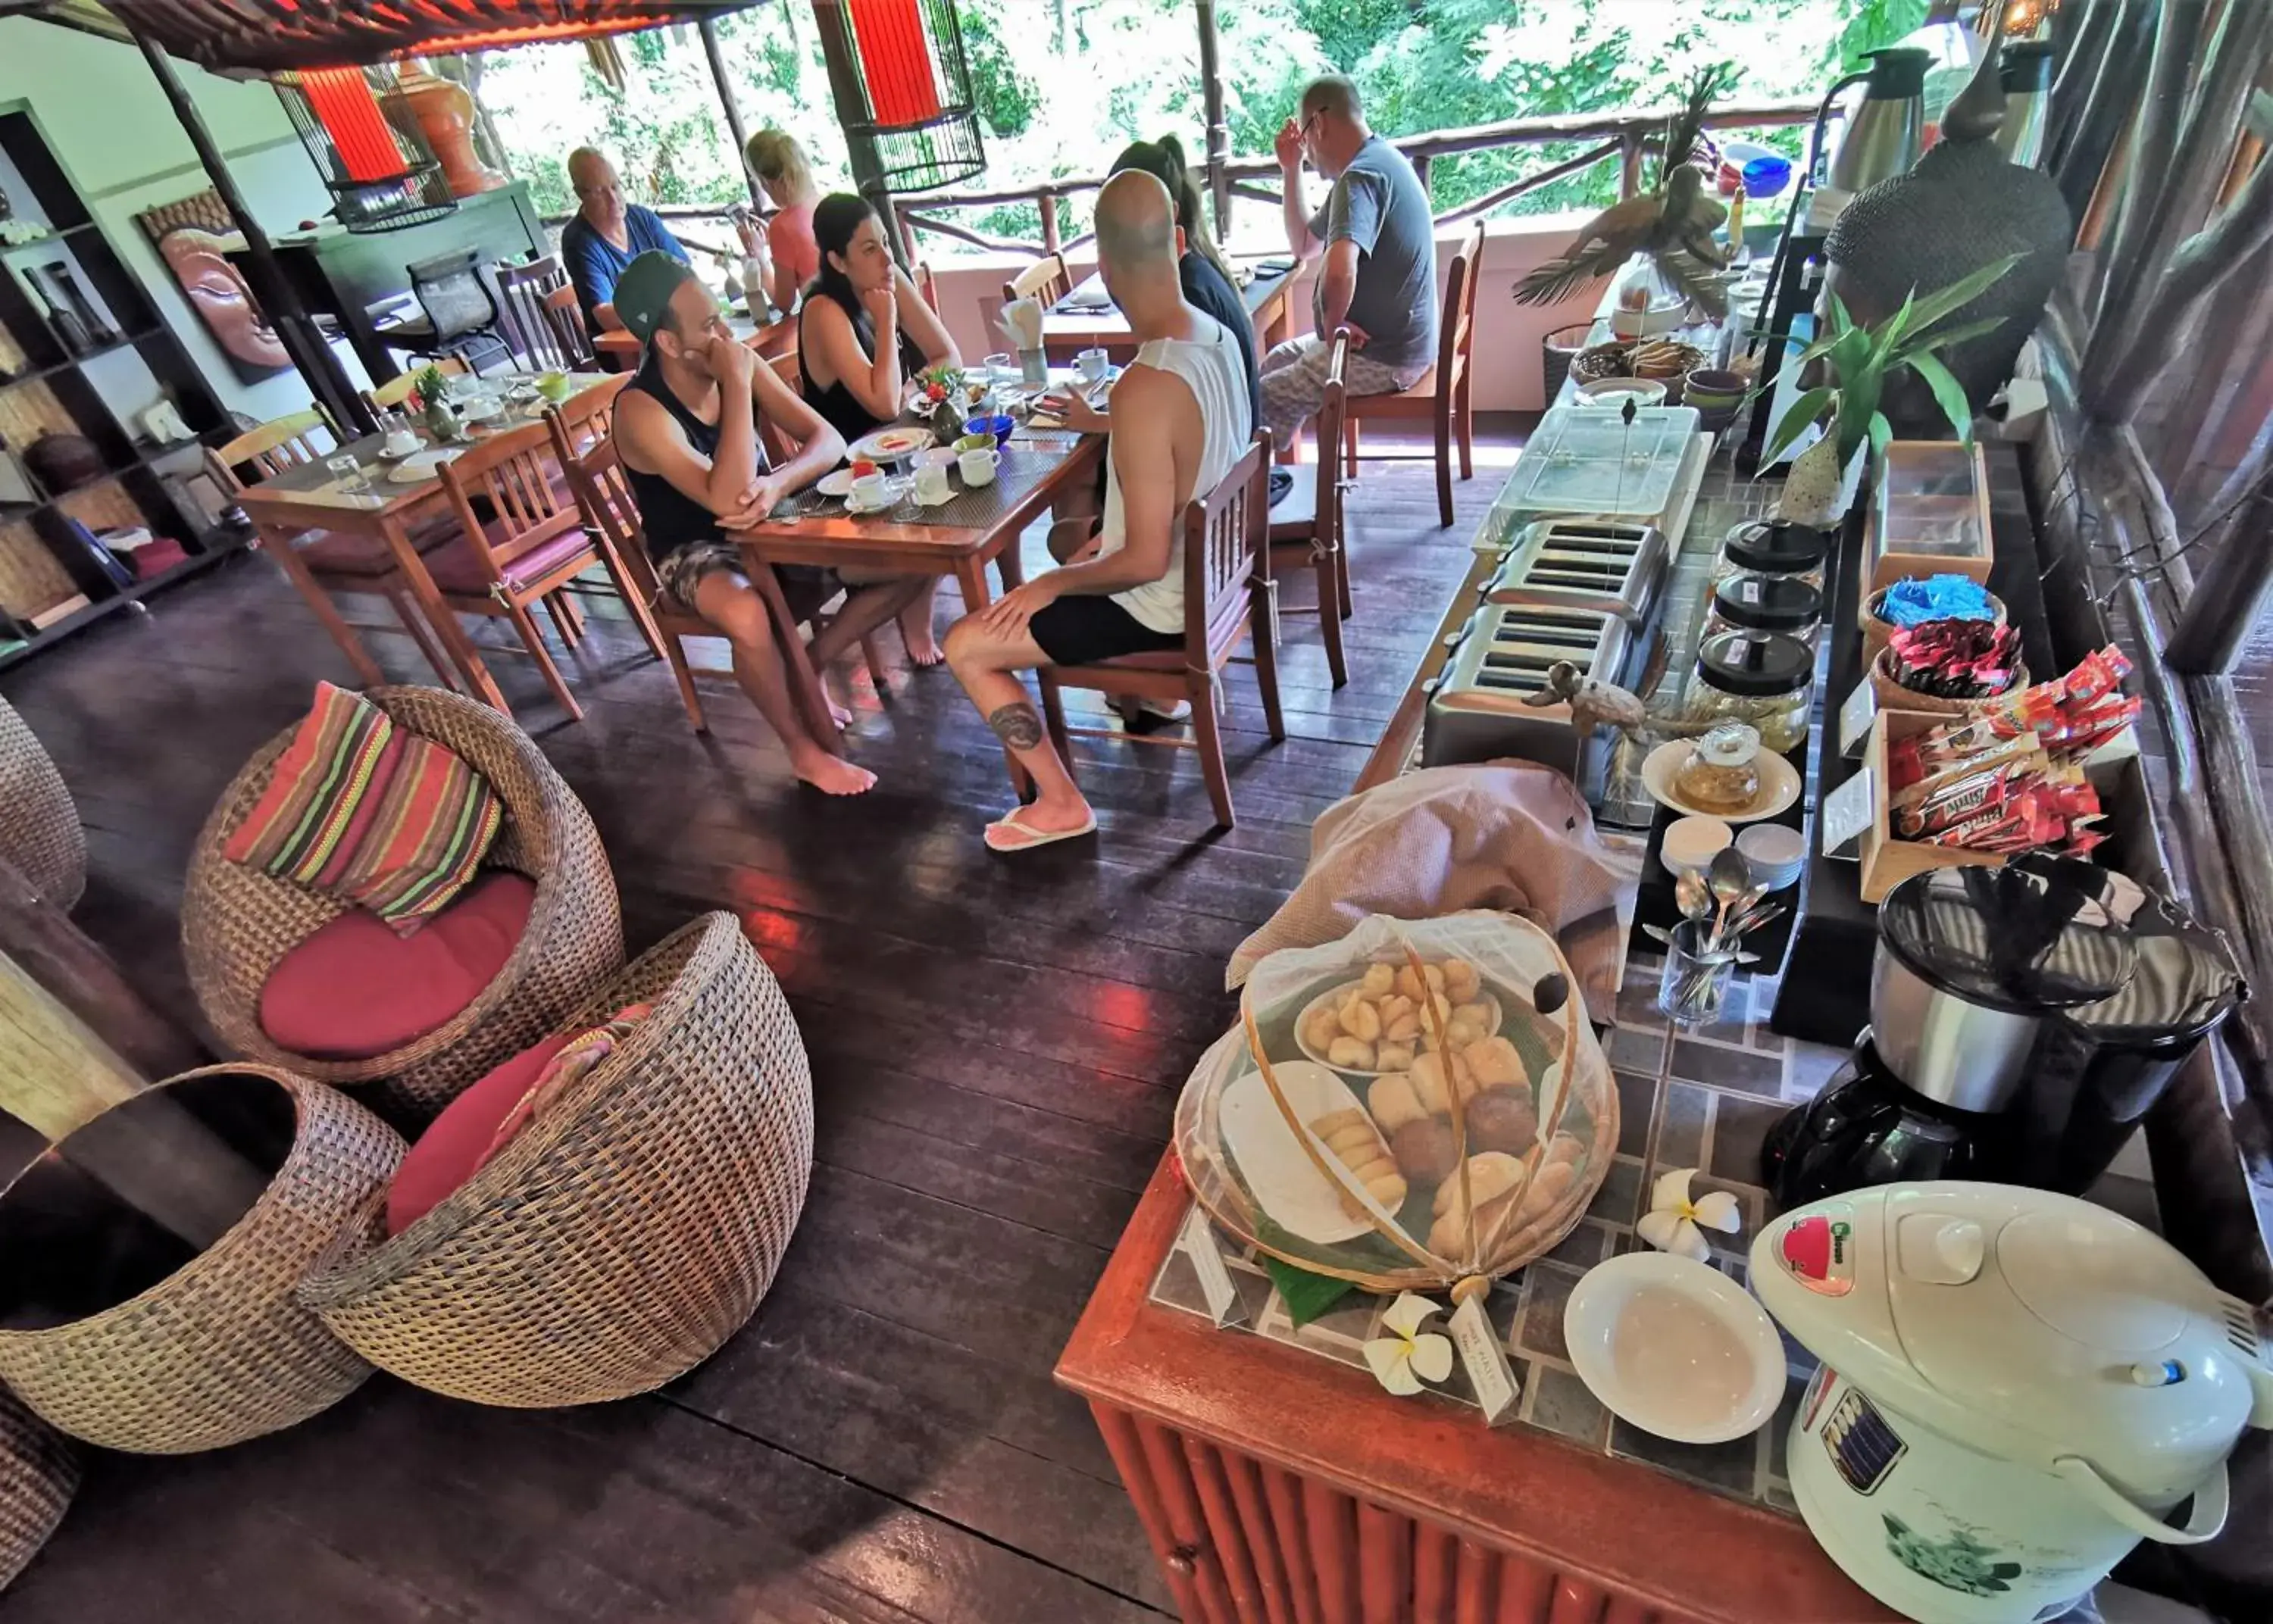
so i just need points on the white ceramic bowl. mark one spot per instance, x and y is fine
(1612, 391)
(1692, 842)
(1675, 1347)
(1333, 998)
(1774, 853)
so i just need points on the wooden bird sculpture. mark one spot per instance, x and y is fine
(1593, 702)
(1673, 223)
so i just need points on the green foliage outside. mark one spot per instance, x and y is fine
(1063, 85)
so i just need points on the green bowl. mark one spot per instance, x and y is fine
(554, 386)
(974, 442)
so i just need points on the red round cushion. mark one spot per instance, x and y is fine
(355, 989)
(446, 1154)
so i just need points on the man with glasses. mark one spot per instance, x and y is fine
(606, 235)
(1379, 247)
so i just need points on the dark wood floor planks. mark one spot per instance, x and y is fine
(996, 1050)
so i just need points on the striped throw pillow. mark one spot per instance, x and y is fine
(370, 814)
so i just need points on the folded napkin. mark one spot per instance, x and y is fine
(1088, 296)
(1022, 321)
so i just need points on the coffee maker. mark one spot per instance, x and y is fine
(2012, 1035)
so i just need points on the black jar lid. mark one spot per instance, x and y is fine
(1757, 664)
(2025, 67)
(2026, 938)
(1773, 548)
(1769, 603)
(1897, 71)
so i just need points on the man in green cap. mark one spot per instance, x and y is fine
(686, 435)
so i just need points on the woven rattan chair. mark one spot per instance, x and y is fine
(236, 922)
(39, 1473)
(220, 1351)
(631, 1228)
(40, 834)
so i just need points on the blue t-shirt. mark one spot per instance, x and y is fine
(593, 263)
(1377, 203)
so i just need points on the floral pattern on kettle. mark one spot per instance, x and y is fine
(1960, 1562)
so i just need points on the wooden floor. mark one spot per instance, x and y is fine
(996, 1047)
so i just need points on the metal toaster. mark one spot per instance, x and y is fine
(1611, 565)
(1476, 710)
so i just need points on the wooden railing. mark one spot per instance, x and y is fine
(1625, 135)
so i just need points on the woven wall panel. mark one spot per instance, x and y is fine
(104, 507)
(272, 35)
(31, 579)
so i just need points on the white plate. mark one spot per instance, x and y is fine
(839, 484)
(889, 444)
(1298, 1198)
(1675, 1347)
(1779, 784)
(419, 466)
(1333, 995)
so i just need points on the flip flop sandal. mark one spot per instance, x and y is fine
(1009, 833)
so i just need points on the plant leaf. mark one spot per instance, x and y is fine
(1855, 355)
(1840, 319)
(1807, 409)
(1948, 393)
(1307, 1295)
(1859, 403)
(1947, 338)
(1958, 295)
(1882, 433)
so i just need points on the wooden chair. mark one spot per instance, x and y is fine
(567, 318)
(605, 496)
(1046, 280)
(319, 563)
(528, 326)
(926, 285)
(1306, 526)
(396, 390)
(1441, 394)
(1227, 595)
(535, 546)
(588, 417)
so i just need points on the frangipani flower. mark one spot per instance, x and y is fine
(1672, 1223)
(1404, 1359)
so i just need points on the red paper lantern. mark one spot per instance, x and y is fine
(341, 99)
(896, 67)
(917, 126)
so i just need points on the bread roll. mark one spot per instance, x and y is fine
(1392, 1057)
(1379, 979)
(1351, 1053)
(1491, 1175)
(1424, 1149)
(1496, 1063)
(1394, 1102)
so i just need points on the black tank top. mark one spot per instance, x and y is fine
(671, 517)
(836, 404)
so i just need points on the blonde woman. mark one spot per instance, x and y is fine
(779, 163)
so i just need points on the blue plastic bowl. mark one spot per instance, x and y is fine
(1000, 426)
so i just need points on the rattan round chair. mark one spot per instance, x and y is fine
(39, 1473)
(40, 835)
(219, 1350)
(631, 1227)
(237, 923)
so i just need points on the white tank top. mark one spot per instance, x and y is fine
(1212, 367)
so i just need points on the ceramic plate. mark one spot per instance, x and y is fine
(889, 444)
(839, 484)
(419, 466)
(1779, 784)
(1334, 995)
(1285, 1182)
(1675, 1347)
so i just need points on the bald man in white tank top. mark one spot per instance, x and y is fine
(1180, 420)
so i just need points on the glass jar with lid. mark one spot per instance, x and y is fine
(1771, 547)
(1763, 679)
(1749, 602)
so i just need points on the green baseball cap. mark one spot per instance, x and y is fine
(642, 298)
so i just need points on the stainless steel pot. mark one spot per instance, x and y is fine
(1964, 1055)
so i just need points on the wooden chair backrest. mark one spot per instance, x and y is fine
(589, 415)
(604, 494)
(566, 319)
(1226, 541)
(926, 285)
(518, 474)
(528, 325)
(1456, 334)
(1046, 280)
(397, 389)
(1334, 405)
(283, 443)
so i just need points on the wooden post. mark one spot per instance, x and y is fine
(59, 957)
(709, 27)
(1048, 200)
(1630, 155)
(1219, 132)
(56, 1074)
(851, 102)
(1421, 173)
(297, 332)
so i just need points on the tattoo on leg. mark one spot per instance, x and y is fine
(1017, 725)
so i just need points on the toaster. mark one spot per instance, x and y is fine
(1614, 567)
(1476, 710)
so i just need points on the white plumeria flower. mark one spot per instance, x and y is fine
(1676, 1223)
(1403, 1359)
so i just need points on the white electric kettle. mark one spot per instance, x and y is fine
(2017, 1387)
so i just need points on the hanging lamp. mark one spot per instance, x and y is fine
(919, 118)
(367, 146)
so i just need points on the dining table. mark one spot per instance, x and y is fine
(1086, 318)
(390, 509)
(619, 351)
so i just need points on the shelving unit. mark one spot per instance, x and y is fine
(84, 365)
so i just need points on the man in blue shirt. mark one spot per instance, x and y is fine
(607, 234)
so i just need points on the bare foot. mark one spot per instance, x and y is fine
(830, 774)
(915, 632)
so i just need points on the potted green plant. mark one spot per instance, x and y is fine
(1862, 360)
(433, 391)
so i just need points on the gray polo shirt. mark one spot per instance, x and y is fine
(1377, 203)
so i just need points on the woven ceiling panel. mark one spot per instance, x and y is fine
(267, 35)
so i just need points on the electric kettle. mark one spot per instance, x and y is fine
(2016, 1388)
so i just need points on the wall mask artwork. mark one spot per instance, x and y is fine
(193, 236)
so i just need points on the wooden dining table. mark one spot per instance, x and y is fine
(1041, 469)
(1086, 320)
(773, 340)
(308, 497)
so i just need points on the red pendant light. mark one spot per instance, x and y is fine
(341, 99)
(918, 119)
(896, 62)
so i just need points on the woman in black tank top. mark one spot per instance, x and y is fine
(855, 264)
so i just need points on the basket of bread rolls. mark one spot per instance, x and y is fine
(1422, 1105)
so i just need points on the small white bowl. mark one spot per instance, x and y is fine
(1611, 392)
(1774, 853)
(1692, 843)
(1333, 998)
(1675, 1347)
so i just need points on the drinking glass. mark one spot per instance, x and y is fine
(1694, 983)
(347, 473)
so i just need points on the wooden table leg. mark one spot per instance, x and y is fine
(797, 659)
(441, 620)
(277, 543)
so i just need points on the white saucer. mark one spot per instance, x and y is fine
(419, 466)
(1675, 1347)
(894, 493)
(839, 484)
(1779, 784)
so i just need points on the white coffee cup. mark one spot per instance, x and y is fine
(871, 490)
(931, 483)
(1091, 364)
(400, 443)
(977, 467)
